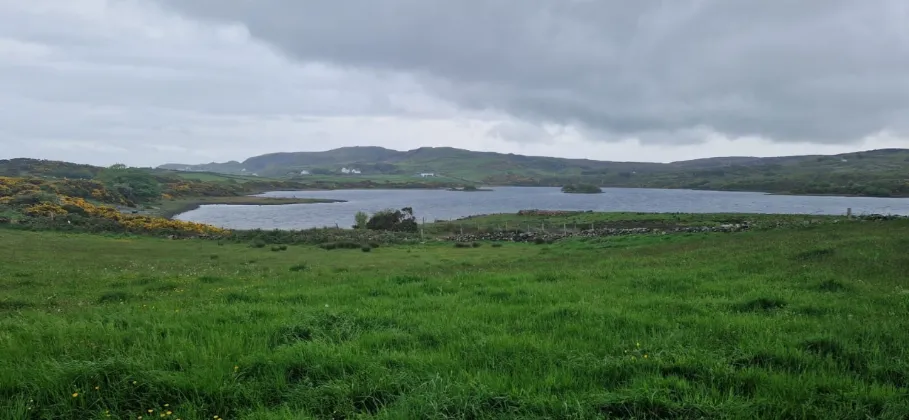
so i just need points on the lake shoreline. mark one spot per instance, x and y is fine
(440, 204)
(172, 209)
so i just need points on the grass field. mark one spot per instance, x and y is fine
(574, 221)
(804, 323)
(215, 177)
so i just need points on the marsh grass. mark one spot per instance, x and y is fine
(803, 323)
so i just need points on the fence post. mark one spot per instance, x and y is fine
(849, 212)
(565, 228)
(506, 226)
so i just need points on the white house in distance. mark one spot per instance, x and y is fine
(350, 171)
(304, 172)
(427, 175)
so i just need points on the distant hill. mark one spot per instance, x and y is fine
(21, 167)
(882, 172)
(379, 160)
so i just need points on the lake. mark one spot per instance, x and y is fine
(434, 205)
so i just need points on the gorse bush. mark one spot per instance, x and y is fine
(77, 214)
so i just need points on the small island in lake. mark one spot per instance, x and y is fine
(469, 188)
(581, 189)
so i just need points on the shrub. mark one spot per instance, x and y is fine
(339, 245)
(361, 219)
(299, 267)
(496, 245)
(539, 241)
(476, 244)
(393, 220)
(461, 245)
(258, 243)
(366, 248)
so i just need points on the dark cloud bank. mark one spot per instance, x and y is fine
(822, 71)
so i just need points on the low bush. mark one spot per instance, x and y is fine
(340, 245)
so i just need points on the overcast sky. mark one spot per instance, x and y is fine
(145, 82)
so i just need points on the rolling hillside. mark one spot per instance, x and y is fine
(882, 172)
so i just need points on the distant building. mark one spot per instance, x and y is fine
(304, 172)
(427, 174)
(350, 171)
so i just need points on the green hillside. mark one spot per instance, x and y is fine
(882, 172)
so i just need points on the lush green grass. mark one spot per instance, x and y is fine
(557, 221)
(215, 177)
(807, 323)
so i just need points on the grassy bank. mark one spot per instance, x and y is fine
(171, 208)
(557, 221)
(798, 323)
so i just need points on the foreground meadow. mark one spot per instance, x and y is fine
(797, 323)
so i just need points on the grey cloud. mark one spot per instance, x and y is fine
(520, 132)
(824, 71)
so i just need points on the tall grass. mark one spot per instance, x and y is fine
(800, 323)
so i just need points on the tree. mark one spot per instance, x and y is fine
(361, 218)
(394, 220)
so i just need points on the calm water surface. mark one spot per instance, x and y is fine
(443, 205)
